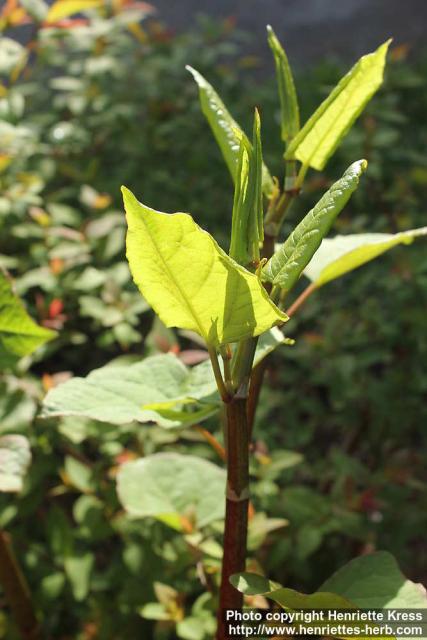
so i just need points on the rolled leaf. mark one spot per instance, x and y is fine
(326, 128)
(227, 132)
(289, 109)
(287, 264)
(339, 255)
(190, 281)
(247, 229)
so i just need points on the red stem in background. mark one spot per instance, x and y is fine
(17, 592)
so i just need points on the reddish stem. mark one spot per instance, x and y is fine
(301, 299)
(236, 514)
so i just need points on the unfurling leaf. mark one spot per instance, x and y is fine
(287, 264)
(19, 334)
(190, 281)
(323, 132)
(247, 221)
(227, 132)
(289, 110)
(339, 255)
(173, 488)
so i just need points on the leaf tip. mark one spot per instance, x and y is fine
(126, 194)
(358, 167)
(193, 72)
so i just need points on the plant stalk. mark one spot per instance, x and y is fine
(17, 592)
(236, 512)
(301, 299)
(273, 221)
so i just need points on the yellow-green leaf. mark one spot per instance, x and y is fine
(227, 132)
(339, 255)
(190, 281)
(323, 132)
(19, 334)
(64, 8)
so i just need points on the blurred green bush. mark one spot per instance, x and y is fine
(94, 102)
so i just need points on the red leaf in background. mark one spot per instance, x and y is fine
(55, 308)
(174, 349)
(125, 456)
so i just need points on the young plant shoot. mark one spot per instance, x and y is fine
(237, 303)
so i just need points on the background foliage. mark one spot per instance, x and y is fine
(92, 103)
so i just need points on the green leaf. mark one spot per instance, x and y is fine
(190, 629)
(252, 584)
(52, 585)
(375, 581)
(268, 342)
(37, 9)
(289, 110)
(78, 570)
(172, 488)
(120, 393)
(147, 391)
(190, 282)
(326, 128)
(259, 528)
(155, 611)
(78, 474)
(247, 230)
(287, 264)
(12, 54)
(227, 132)
(15, 458)
(19, 334)
(339, 255)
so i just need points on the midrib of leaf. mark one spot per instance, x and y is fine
(328, 103)
(187, 302)
(327, 132)
(305, 236)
